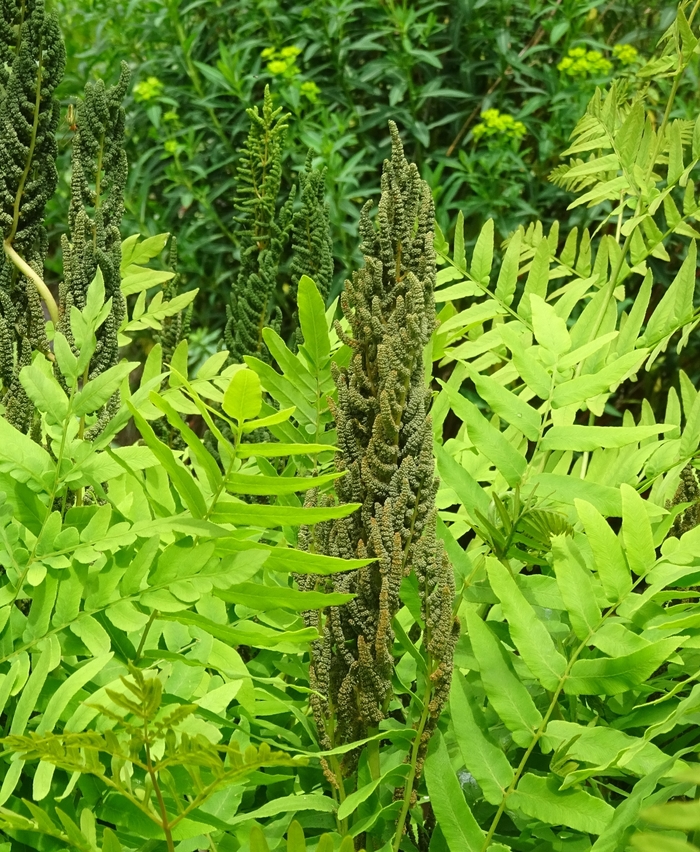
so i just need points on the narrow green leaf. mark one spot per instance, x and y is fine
(506, 692)
(579, 438)
(576, 587)
(247, 514)
(531, 637)
(615, 675)
(255, 483)
(200, 453)
(457, 823)
(41, 387)
(296, 842)
(467, 489)
(488, 440)
(537, 280)
(508, 405)
(580, 389)
(607, 552)
(481, 755)
(637, 535)
(482, 258)
(312, 319)
(272, 450)
(181, 478)
(262, 598)
(508, 274)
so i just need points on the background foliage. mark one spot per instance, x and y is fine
(343, 68)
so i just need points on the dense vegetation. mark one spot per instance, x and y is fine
(349, 497)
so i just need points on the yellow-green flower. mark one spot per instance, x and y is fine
(496, 123)
(310, 90)
(277, 66)
(170, 115)
(171, 146)
(625, 54)
(148, 89)
(583, 63)
(282, 63)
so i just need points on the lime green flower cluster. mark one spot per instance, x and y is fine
(282, 63)
(495, 123)
(625, 54)
(583, 63)
(148, 89)
(310, 90)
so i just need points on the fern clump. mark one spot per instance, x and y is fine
(385, 441)
(264, 231)
(312, 243)
(32, 60)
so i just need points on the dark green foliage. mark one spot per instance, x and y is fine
(99, 172)
(32, 59)
(263, 232)
(312, 243)
(688, 491)
(384, 436)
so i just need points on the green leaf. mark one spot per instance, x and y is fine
(506, 692)
(508, 274)
(456, 821)
(262, 598)
(607, 552)
(580, 389)
(627, 812)
(26, 460)
(245, 633)
(576, 587)
(550, 330)
(247, 514)
(243, 396)
(508, 405)
(676, 305)
(537, 280)
(200, 453)
(467, 489)
(482, 258)
(136, 250)
(487, 439)
(531, 637)
(539, 798)
(637, 535)
(615, 675)
(579, 438)
(256, 483)
(312, 319)
(44, 391)
(101, 389)
(181, 478)
(296, 842)
(482, 756)
(257, 840)
(68, 689)
(272, 450)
